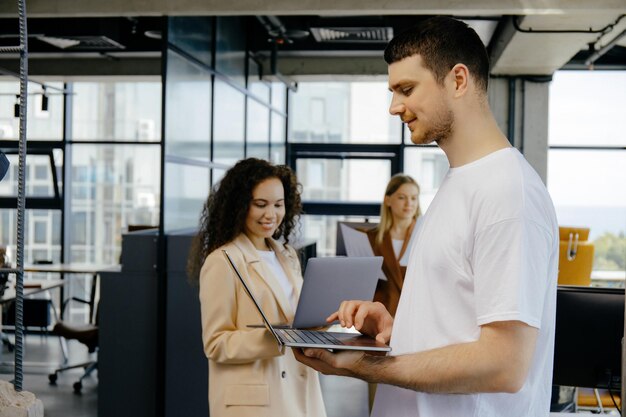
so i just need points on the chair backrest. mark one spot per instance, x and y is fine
(85, 334)
(4, 263)
(566, 231)
(575, 256)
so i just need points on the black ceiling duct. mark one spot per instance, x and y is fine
(353, 34)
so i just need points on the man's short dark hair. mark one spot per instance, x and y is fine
(442, 42)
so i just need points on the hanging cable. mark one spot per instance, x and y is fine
(603, 31)
(596, 54)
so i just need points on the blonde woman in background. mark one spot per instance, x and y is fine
(392, 238)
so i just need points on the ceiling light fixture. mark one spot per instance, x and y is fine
(153, 34)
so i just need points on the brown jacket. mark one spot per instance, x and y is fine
(388, 292)
(248, 375)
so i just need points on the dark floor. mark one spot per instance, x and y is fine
(42, 355)
(344, 397)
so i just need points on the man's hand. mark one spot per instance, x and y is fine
(344, 363)
(370, 318)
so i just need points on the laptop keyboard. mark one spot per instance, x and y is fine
(311, 337)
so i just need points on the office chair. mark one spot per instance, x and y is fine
(87, 334)
(4, 279)
(598, 401)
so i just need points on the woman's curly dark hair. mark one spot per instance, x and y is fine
(224, 214)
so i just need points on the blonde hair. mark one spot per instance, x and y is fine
(386, 218)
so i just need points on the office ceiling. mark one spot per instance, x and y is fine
(524, 37)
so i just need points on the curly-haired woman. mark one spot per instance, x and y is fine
(254, 204)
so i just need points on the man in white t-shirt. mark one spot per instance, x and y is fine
(474, 330)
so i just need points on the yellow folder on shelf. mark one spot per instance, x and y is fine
(575, 256)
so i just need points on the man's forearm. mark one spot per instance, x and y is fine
(480, 366)
(453, 369)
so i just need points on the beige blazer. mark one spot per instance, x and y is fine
(248, 375)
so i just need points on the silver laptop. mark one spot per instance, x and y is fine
(310, 338)
(350, 278)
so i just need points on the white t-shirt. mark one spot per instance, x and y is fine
(487, 251)
(270, 259)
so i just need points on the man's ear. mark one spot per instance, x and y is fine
(460, 77)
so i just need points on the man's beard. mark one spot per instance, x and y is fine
(440, 131)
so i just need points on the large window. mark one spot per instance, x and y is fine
(45, 122)
(345, 146)
(188, 120)
(587, 162)
(323, 229)
(38, 174)
(112, 186)
(353, 180)
(257, 130)
(42, 240)
(117, 111)
(228, 126)
(44, 165)
(187, 187)
(343, 112)
(428, 165)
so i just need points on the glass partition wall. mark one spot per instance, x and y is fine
(219, 108)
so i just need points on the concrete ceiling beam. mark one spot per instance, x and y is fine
(78, 8)
(516, 53)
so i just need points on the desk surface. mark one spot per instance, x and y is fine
(31, 287)
(69, 268)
